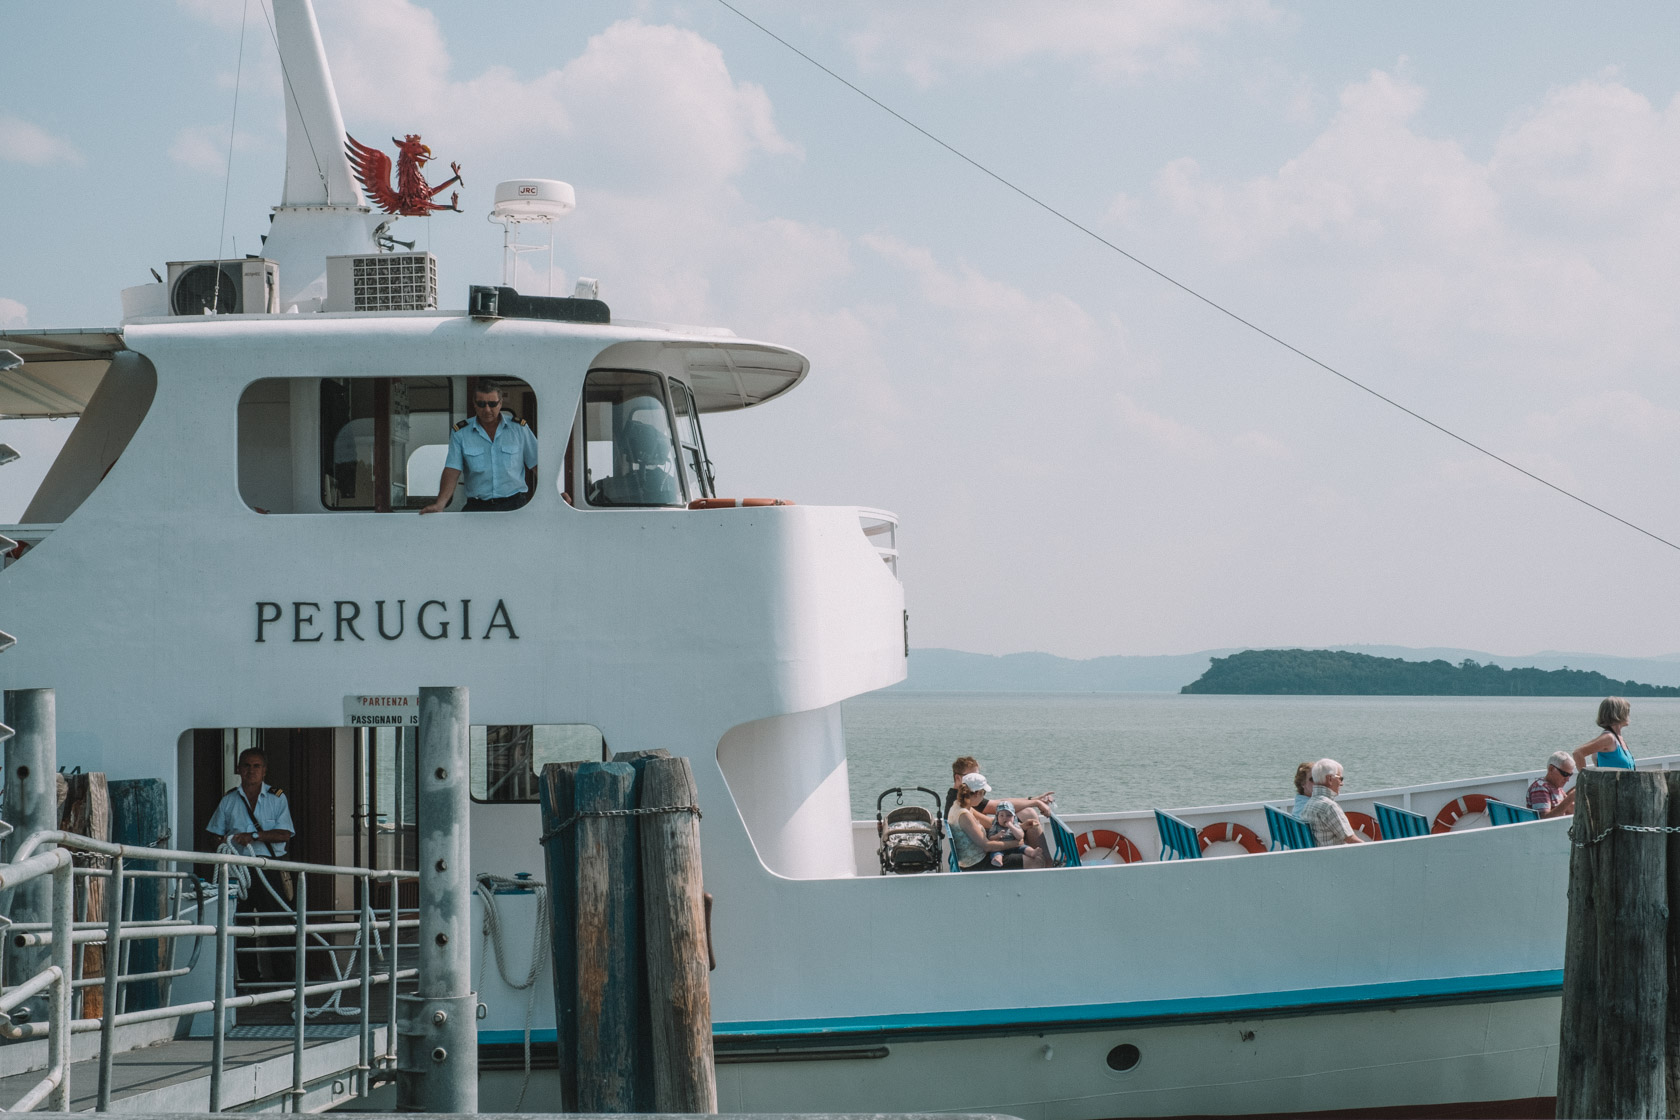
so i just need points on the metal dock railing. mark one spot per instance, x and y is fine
(350, 940)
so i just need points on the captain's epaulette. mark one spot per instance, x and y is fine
(277, 791)
(462, 424)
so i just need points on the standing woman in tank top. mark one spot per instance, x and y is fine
(1607, 751)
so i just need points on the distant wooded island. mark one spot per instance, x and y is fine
(1325, 672)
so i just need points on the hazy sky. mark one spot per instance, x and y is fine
(1474, 209)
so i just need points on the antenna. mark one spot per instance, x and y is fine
(521, 202)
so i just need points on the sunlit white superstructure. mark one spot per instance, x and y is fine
(226, 551)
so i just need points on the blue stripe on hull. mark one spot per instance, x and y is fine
(1504, 985)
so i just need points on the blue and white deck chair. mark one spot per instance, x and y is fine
(1287, 831)
(1500, 812)
(950, 845)
(1067, 849)
(1176, 837)
(1397, 824)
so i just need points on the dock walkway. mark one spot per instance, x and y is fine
(174, 1076)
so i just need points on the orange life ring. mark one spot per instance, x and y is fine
(1230, 832)
(1453, 810)
(1365, 825)
(1105, 844)
(737, 503)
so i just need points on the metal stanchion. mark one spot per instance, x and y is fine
(218, 1026)
(437, 1065)
(59, 1051)
(364, 1042)
(108, 1008)
(299, 980)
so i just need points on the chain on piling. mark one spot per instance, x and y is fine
(575, 817)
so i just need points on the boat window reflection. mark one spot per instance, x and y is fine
(506, 759)
(355, 444)
(630, 457)
(694, 459)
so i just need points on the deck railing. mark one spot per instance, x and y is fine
(881, 528)
(370, 935)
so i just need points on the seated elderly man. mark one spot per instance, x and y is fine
(1328, 823)
(1546, 795)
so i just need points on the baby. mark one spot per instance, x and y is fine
(1005, 828)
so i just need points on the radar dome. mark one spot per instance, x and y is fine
(533, 200)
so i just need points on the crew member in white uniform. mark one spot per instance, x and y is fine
(255, 820)
(495, 455)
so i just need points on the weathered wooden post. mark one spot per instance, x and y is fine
(612, 1072)
(675, 923)
(1611, 1053)
(559, 785)
(1671, 1041)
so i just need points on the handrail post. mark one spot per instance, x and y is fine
(391, 980)
(218, 1025)
(364, 1043)
(59, 1050)
(299, 979)
(108, 1006)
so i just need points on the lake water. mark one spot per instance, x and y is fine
(1141, 750)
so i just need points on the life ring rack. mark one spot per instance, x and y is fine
(1222, 832)
(1107, 843)
(737, 503)
(1453, 810)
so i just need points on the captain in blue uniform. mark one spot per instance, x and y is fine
(492, 454)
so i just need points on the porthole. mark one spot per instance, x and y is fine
(1123, 1058)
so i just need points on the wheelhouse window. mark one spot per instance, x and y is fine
(630, 455)
(507, 759)
(356, 444)
(694, 459)
(384, 439)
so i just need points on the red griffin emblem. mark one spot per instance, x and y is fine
(413, 196)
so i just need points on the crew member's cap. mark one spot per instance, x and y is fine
(1563, 760)
(976, 783)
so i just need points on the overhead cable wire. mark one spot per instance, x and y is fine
(1188, 290)
(303, 119)
(233, 132)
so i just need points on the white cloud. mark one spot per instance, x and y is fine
(204, 147)
(13, 313)
(649, 107)
(22, 142)
(1160, 430)
(1126, 40)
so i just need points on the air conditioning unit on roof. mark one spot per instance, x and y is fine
(382, 282)
(243, 287)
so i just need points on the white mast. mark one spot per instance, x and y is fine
(322, 211)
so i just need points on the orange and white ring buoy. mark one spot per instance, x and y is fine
(1365, 825)
(1109, 847)
(1230, 832)
(737, 503)
(1453, 810)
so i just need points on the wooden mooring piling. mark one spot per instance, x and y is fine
(1619, 1045)
(631, 994)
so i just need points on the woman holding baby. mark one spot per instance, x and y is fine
(987, 842)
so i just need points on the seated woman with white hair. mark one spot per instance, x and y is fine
(1321, 813)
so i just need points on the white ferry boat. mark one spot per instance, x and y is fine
(227, 553)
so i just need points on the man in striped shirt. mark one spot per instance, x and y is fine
(1545, 793)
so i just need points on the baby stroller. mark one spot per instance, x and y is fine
(910, 835)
